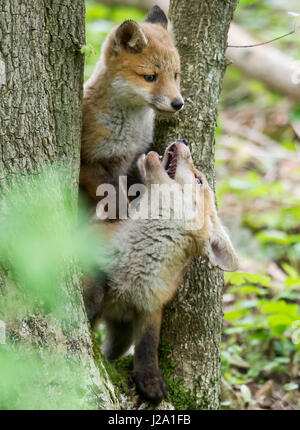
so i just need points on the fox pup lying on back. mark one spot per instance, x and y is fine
(150, 258)
(137, 75)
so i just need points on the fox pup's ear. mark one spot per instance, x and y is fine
(220, 250)
(129, 35)
(157, 16)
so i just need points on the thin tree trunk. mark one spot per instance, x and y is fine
(41, 77)
(191, 331)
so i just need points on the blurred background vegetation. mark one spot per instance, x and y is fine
(258, 191)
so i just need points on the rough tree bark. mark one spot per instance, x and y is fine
(41, 77)
(192, 322)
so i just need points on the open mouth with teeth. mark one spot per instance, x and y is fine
(171, 161)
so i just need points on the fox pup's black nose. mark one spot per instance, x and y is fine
(185, 141)
(177, 104)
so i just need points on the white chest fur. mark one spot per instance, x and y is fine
(131, 134)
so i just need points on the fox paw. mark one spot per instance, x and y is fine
(150, 385)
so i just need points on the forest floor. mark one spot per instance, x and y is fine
(258, 167)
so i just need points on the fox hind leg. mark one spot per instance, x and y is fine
(146, 373)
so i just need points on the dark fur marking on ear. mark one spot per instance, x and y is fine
(157, 16)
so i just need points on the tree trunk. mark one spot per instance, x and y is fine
(41, 77)
(191, 331)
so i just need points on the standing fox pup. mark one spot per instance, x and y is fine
(150, 258)
(138, 74)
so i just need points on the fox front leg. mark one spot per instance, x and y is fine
(93, 295)
(146, 374)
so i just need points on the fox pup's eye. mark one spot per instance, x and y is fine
(199, 182)
(150, 78)
(176, 76)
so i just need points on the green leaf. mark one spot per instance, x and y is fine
(227, 403)
(240, 278)
(246, 394)
(234, 315)
(291, 386)
(291, 271)
(280, 320)
(281, 307)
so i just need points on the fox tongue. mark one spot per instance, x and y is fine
(172, 169)
(171, 164)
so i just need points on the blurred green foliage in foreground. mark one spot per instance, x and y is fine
(42, 254)
(41, 242)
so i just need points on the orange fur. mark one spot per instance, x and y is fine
(119, 104)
